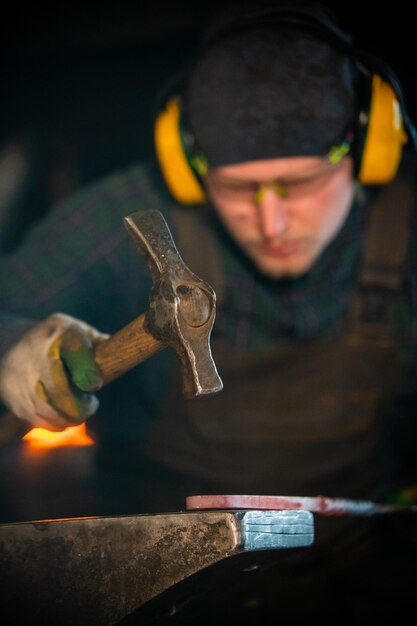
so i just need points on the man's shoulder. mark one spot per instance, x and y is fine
(135, 184)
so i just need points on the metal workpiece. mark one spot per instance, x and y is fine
(99, 570)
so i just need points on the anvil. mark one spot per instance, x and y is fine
(108, 570)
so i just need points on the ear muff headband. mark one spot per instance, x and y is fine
(172, 156)
(385, 136)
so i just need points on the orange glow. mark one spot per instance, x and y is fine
(39, 438)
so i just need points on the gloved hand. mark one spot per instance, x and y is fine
(48, 377)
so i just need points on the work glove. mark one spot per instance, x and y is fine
(48, 377)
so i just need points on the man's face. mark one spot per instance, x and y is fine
(282, 212)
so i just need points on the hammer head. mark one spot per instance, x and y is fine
(182, 306)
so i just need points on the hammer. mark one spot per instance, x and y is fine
(180, 314)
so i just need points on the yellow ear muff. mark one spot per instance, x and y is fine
(176, 169)
(385, 136)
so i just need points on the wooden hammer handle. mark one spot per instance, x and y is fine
(125, 349)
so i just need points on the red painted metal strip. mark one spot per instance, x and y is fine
(318, 504)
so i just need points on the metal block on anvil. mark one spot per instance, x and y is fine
(100, 570)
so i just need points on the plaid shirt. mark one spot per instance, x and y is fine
(79, 260)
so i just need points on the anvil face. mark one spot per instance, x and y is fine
(100, 570)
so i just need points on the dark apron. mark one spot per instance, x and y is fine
(306, 420)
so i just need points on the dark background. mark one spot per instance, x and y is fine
(79, 85)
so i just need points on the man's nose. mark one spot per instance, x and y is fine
(272, 213)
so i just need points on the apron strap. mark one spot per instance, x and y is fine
(381, 274)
